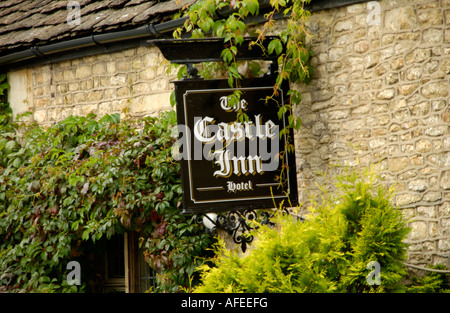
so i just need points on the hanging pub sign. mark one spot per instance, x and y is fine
(228, 163)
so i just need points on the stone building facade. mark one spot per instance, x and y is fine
(380, 95)
(132, 81)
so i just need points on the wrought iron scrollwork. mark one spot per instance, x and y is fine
(240, 223)
(237, 226)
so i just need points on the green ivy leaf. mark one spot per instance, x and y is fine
(227, 55)
(276, 46)
(10, 146)
(252, 6)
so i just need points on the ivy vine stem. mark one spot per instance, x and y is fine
(293, 55)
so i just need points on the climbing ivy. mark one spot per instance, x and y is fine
(5, 110)
(84, 179)
(293, 55)
(203, 19)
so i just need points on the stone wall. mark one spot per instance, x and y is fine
(379, 95)
(132, 81)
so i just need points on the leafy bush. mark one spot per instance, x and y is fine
(5, 110)
(431, 282)
(83, 179)
(329, 252)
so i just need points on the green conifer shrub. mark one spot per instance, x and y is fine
(433, 281)
(329, 252)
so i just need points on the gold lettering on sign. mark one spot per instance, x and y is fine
(243, 186)
(237, 165)
(208, 131)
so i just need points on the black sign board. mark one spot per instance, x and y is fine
(229, 164)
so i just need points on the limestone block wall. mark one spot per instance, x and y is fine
(132, 81)
(380, 95)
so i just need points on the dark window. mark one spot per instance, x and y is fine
(115, 260)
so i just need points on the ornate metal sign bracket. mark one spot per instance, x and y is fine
(239, 224)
